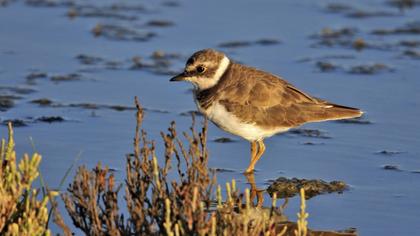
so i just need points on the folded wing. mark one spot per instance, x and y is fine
(269, 101)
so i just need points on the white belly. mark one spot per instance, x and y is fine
(230, 123)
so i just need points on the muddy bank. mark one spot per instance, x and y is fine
(286, 188)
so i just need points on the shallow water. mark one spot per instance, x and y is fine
(379, 202)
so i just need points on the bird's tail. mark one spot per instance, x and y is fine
(331, 111)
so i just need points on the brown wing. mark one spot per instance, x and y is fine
(264, 99)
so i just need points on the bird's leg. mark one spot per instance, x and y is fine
(254, 150)
(255, 192)
(256, 155)
(261, 150)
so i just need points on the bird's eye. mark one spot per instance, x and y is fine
(201, 69)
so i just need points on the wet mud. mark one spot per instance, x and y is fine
(8, 101)
(113, 11)
(391, 167)
(411, 28)
(310, 133)
(224, 140)
(33, 120)
(159, 63)
(190, 113)
(403, 4)
(389, 152)
(353, 12)
(326, 66)
(46, 102)
(18, 90)
(121, 33)
(240, 43)
(413, 54)
(286, 188)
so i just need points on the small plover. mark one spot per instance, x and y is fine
(252, 103)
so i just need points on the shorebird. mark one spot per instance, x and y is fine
(252, 103)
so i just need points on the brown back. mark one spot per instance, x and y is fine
(258, 97)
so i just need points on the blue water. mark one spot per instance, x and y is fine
(379, 202)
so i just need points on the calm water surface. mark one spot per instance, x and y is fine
(379, 202)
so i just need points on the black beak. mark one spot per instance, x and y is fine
(179, 77)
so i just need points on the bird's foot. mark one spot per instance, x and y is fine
(249, 171)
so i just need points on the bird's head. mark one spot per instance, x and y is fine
(204, 69)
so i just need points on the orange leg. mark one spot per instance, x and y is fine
(255, 192)
(257, 150)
